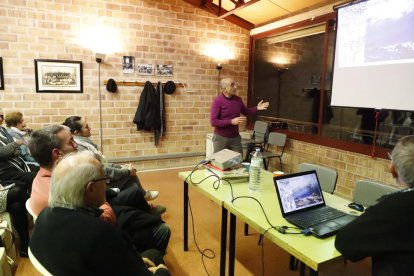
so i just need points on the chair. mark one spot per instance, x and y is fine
(367, 192)
(259, 137)
(29, 210)
(278, 140)
(327, 176)
(38, 265)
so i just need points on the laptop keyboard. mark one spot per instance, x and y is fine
(313, 217)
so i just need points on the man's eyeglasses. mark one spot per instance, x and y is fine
(107, 180)
(2, 116)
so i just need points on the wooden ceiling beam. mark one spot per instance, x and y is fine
(214, 9)
(240, 5)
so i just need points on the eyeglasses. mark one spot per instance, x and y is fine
(233, 84)
(107, 180)
(2, 116)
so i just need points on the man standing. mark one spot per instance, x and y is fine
(225, 117)
(86, 244)
(385, 231)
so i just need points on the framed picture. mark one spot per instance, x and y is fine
(315, 79)
(58, 76)
(145, 69)
(1, 74)
(128, 64)
(164, 70)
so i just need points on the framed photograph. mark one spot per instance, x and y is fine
(164, 70)
(315, 79)
(128, 64)
(145, 69)
(1, 74)
(63, 76)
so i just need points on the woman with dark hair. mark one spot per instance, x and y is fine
(121, 176)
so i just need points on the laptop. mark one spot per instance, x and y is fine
(302, 204)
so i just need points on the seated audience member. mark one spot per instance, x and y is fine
(12, 166)
(51, 143)
(385, 232)
(121, 176)
(143, 225)
(17, 128)
(85, 245)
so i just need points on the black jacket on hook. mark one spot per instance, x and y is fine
(149, 114)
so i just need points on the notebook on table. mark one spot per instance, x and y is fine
(302, 204)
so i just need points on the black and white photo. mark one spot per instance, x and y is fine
(58, 76)
(128, 64)
(164, 70)
(145, 69)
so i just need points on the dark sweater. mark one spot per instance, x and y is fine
(68, 242)
(384, 232)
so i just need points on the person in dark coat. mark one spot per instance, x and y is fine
(385, 232)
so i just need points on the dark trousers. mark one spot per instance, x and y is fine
(131, 196)
(16, 200)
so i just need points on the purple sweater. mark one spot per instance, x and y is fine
(223, 110)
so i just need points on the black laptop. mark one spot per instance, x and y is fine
(302, 204)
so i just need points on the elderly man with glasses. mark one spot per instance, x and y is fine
(85, 245)
(385, 232)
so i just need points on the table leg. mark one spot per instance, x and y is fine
(185, 216)
(232, 244)
(223, 241)
(313, 272)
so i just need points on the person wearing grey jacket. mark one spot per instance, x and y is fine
(122, 176)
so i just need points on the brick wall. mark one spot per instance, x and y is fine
(350, 166)
(157, 32)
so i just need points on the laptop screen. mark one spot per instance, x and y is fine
(298, 191)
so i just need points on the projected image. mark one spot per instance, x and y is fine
(389, 35)
(299, 192)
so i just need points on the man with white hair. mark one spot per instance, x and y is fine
(86, 245)
(225, 117)
(385, 231)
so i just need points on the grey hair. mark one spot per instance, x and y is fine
(224, 83)
(42, 142)
(69, 178)
(402, 157)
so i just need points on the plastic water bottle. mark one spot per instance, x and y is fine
(256, 165)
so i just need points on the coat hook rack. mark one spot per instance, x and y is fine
(141, 83)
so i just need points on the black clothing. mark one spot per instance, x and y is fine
(138, 225)
(12, 166)
(85, 245)
(149, 114)
(384, 232)
(16, 200)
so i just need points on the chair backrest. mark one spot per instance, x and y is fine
(327, 176)
(368, 192)
(261, 131)
(39, 267)
(29, 210)
(276, 139)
